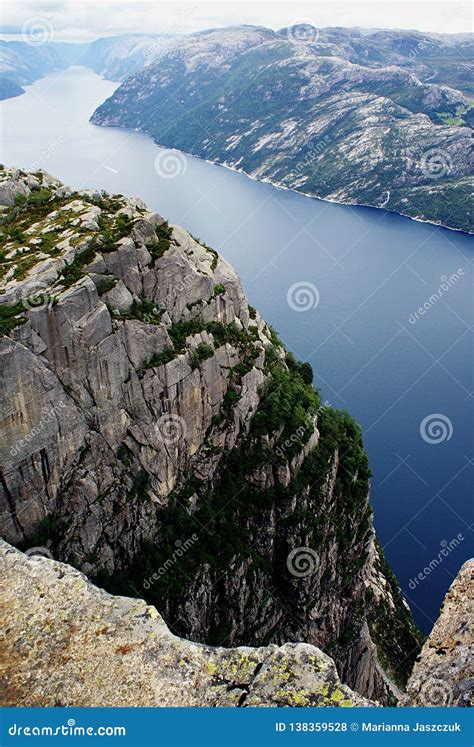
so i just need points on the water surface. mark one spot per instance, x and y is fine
(372, 271)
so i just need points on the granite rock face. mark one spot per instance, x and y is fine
(68, 643)
(157, 436)
(444, 672)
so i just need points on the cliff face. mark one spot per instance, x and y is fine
(444, 672)
(71, 644)
(157, 436)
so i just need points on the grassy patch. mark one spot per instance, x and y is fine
(76, 270)
(202, 353)
(160, 359)
(11, 317)
(164, 234)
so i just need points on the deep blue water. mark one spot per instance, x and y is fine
(372, 270)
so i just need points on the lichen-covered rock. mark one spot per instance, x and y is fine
(146, 403)
(444, 672)
(67, 643)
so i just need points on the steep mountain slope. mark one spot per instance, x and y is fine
(115, 58)
(157, 436)
(24, 63)
(299, 111)
(444, 672)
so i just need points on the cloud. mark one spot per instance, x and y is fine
(90, 19)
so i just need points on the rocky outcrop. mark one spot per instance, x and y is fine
(64, 642)
(444, 672)
(67, 643)
(157, 436)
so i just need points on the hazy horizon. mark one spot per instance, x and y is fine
(86, 20)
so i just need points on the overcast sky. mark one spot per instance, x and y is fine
(90, 19)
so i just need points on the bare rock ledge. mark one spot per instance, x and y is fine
(68, 643)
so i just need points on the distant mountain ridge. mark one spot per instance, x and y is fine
(440, 58)
(372, 117)
(115, 57)
(340, 114)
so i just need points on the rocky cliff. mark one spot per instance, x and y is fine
(68, 643)
(443, 674)
(157, 436)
